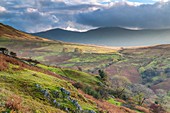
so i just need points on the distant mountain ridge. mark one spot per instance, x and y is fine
(110, 36)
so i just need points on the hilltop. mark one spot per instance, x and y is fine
(8, 32)
(110, 36)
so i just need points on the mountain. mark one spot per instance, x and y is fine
(110, 36)
(8, 32)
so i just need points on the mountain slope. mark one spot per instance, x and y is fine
(111, 36)
(27, 88)
(7, 32)
(34, 87)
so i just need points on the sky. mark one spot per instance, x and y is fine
(81, 15)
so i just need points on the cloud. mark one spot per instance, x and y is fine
(31, 10)
(124, 15)
(40, 15)
(2, 9)
(81, 15)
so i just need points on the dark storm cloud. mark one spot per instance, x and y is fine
(143, 16)
(40, 15)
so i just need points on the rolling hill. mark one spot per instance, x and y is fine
(111, 36)
(75, 67)
(8, 32)
(42, 89)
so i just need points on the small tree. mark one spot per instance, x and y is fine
(77, 50)
(32, 62)
(119, 84)
(156, 108)
(4, 51)
(102, 74)
(13, 54)
(141, 93)
(161, 94)
(79, 68)
(65, 50)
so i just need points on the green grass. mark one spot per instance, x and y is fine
(94, 58)
(23, 83)
(113, 101)
(77, 76)
(139, 111)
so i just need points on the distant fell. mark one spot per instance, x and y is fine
(110, 36)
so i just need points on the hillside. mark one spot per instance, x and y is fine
(90, 73)
(27, 88)
(7, 32)
(111, 36)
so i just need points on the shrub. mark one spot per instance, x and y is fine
(102, 74)
(103, 92)
(92, 92)
(78, 85)
(156, 108)
(13, 54)
(77, 50)
(65, 50)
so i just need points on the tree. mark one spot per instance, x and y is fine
(31, 61)
(79, 68)
(102, 74)
(162, 98)
(4, 51)
(13, 54)
(141, 93)
(120, 85)
(65, 50)
(77, 50)
(156, 108)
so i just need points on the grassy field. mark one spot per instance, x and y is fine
(38, 92)
(41, 89)
(131, 63)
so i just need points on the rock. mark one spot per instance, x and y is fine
(46, 93)
(37, 86)
(54, 101)
(112, 96)
(67, 110)
(75, 102)
(57, 94)
(79, 108)
(58, 104)
(65, 91)
(88, 111)
(68, 98)
(91, 111)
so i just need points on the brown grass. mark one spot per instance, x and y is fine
(14, 103)
(142, 109)
(106, 106)
(5, 60)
